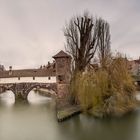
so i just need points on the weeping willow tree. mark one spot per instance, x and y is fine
(107, 92)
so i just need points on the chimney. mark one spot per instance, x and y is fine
(10, 70)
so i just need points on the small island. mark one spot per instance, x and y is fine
(102, 82)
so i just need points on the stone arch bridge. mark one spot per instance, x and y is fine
(53, 76)
(21, 90)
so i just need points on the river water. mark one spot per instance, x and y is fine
(36, 120)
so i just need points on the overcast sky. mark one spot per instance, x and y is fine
(31, 30)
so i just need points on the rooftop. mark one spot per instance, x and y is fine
(61, 54)
(28, 73)
(136, 61)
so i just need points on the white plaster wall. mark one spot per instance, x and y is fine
(135, 69)
(28, 79)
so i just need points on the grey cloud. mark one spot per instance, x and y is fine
(31, 30)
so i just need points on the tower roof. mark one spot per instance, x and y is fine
(61, 54)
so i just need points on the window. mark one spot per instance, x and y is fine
(49, 78)
(61, 78)
(33, 78)
(18, 78)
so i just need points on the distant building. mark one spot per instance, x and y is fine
(2, 68)
(134, 67)
(48, 66)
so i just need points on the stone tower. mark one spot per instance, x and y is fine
(63, 73)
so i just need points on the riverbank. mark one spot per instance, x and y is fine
(65, 110)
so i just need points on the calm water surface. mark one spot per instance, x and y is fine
(36, 120)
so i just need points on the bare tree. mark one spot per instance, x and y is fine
(81, 40)
(104, 51)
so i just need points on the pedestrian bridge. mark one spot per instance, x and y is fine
(45, 79)
(21, 90)
(53, 76)
(21, 86)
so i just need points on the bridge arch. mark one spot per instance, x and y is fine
(5, 87)
(49, 87)
(22, 90)
(10, 89)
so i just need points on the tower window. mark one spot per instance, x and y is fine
(61, 78)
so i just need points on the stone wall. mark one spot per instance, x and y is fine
(63, 74)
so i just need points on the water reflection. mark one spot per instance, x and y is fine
(86, 128)
(35, 98)
(37, 121)
(7, 98)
